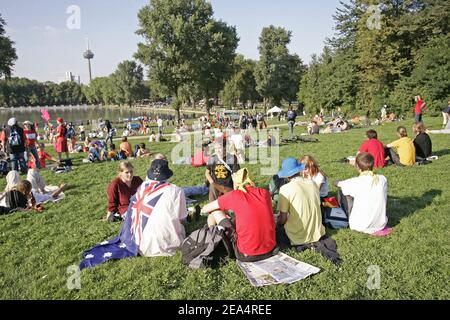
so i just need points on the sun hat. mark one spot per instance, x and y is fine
(12, 121)
(159, 170)
(290, 167)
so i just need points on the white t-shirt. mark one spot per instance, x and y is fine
(159, 122)
(164, 232)
(369, 205)
(322, 183)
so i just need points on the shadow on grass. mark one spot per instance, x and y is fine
(399, 208)
(442, 152)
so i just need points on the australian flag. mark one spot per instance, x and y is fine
(130, 236)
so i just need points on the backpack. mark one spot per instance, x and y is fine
(205, 247)
(14, 138)
(70, 133)
(274, 186)
(4, 169)
(335, 218)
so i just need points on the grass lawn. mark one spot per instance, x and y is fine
(37, 248)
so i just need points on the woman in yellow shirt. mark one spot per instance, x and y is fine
(405, 153)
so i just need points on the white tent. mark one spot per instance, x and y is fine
(274, 110)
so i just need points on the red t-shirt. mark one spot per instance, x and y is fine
(255, 223)
(418, 107)
(42, 156)
(376, 149)
(119, 194)
(31, 136)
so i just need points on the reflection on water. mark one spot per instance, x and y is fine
(77, 114)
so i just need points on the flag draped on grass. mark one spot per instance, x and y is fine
(130, 236)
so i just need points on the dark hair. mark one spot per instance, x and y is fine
(402, 131)
(371, 134)
(112, 146)
(365, 161)
(142, 145)
(124, 139)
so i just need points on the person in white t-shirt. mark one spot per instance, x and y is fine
(364, 197)
(313, 172)
(159, 122)
(238, 144)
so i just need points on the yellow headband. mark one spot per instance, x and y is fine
(241, 178)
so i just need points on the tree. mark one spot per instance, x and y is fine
(241, 87)
(127, 80)
(275, 78)
(429, 78)
(184, 47)
(8, 52)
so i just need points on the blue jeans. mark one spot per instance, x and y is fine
(34, 152)
(418, 117)
(291, 128)
(17, 159)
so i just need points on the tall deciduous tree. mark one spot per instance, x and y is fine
(128, 82)
(184, 47)
(7, 52)
(277, 73)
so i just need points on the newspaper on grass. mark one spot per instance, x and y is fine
(280, 268)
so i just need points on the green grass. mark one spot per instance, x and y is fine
(36, 249)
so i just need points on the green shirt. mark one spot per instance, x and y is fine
(300, 198)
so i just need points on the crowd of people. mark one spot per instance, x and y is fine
(260, 221)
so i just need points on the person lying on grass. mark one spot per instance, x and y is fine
(364, 197)
(41, 192)
(254, 238)
(21, 198)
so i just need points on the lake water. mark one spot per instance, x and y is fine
(78, 114)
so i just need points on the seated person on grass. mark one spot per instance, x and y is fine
(375, 147)
(112, 153)
(42, 157)
(142, 152)
(313, 172)
(300, 217)
(219, 170)
(153, 224)
(364, 197)
(422, 142)
(120, 191)
(405, 153)
(125, 148)
(254, 238)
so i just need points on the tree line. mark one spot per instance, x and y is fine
(383, 52)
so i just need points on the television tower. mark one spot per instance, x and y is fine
(88, 54)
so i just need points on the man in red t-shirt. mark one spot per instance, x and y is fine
(375, 147)
(418, 108)
(254, 238)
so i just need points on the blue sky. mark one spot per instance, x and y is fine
(47, 48)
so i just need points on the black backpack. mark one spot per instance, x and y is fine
(205, 247)
(14, 138)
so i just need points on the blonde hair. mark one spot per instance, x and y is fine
(311, 166)
(125, 165)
